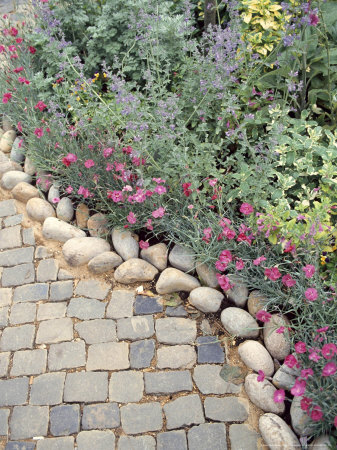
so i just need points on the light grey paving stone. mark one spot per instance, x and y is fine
(66, 355)
(172, 440)
(13, 220)
(28, 237)
(97, 331)
(17, 338)
(86, 387)
(16, 256)
(5, 296)
(31, 293)
(208, 380)
(61, 443)
(226, 409)
(4, 414)
(47, 389)
(64, 275)
(108, 356)
(64, 420)
(18, 275)
(7, 208)
(29, 421)
(61, 290)
(137, 443)
(47, 270)
(208, 435)
(176, 330)
(133, 328)
(51, 311)
(126, 386)
(86, 308)
(184, 411)
(22, 313)
(92, 289)
(20, 445)
(54, 331)
(176, 357)
(4, 361)
(142, 353)
(42, 252)
(243, 437)
(140, 418)
(10, 237)
(29, 362)
(176, 311)
(100, 416)
(168, 382)
(96, 440)
(4, 316)
(121, 304)
(13, 392)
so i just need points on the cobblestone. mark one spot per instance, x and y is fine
(137, 443)
(97, 331)
(176, 330)
(92, 289)
(61, 443)
(243, 436)
(4, 316)
(208, 435)
(176, 357)
(168, 382)
(42, 252)
(29, 421)
(175, 440)
(17, 338)
(141, 418)
(54, 331)
(100, 416)
(61, 290)
(4, 361)
(184, 411)
(208, 380)
(86, 308)
(17, 445)
(29, 362)
(13, 392)
(133, 328)
(86, 387)
(31, 293)
(13, 220)
(176, 311)
(17, 256)
(141, 353)
(108, 356)
(98, 440)
(67, 355)
(121, 304)
(7, 208)
(18, 275)
(22, 313)
(209, 350)
(5, 296)
(47, 270)
(10, 237)
(64, 420)
(47, 311)
(227, 409)
(147, 305)
(47, 389)
(4, 414)
(126, 387)
(28, 236)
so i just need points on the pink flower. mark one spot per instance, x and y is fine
(226, 257)
(158, 212)
(190, 207)
(71, 157)
(221, 267)
(299, 388)
(322, 330)
(131, 218)
(309, 270)
(290, 361)
(56, 199)
(273, 273)
(19, 127)
(2, 48)
(263, 316)
(261, 376)
(69, 189)
(83, 191)
(328, 350)
(335, 421)
(158, 180)
(246, 209)
(229, 233)
(6, 97)
(32, 50)
(143, 244)
(288, 281)
(259, 260)
(89, 163)
(313, 19)
(305, 373)
(239, 264)
(311, 294)
(305, 403)
(23, 80)
(107, 152)
(18, 69)
(300, 347)
(314, 356)
(149, 224)
(329, 369)
(13, 31)
(115, 196)
(213, 182)
(40, 105)
(38, 132)
(316, 413)
(279, 396)
(18, 40)
(224, 282)
(280, 330)
(160, 189)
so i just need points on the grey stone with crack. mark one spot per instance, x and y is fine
(184, 411)
(18, 275)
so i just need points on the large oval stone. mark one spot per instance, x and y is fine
(299, 419)
(255, 356)
(207, 275)
(60, 231)
(80, 250)
(206, 299)
(10, 179)
(17, 151)
(24, 191)
(29, 167)
(261, 393)
(104, 262)
(134, 270)
(182, 258)
(256, 302)
(239, 322)
(7, 140)
(125, 245)
(277, 434)
(276, 343)
(8, 166)
(156, 255)
(97, 225)
(53, 193)
(239, 293)
(174, 280)
(39, 209)
(64, 209)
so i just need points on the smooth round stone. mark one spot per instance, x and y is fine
(156, 255)
(17, 153)
(256, 302)
(182, 258)
(134, 270)
(53, 193)
(277, 434)
(125, 244)
(3, 157)
(299, 418)
(206, 299)
(239, 293)
(276, 343)
(104, 262)
(174, 280)
(64, 209)
(10, 179)
(282, 379)
(24, 191)
(79, 251)
(39, 209)
(97, 225)
(239, 322)
(29, 167)
(61, 231)
(320, 443)
(207, 275)
(9, 166)
(7, 140)
(82, 215)
(255, 356)
(261, 393)
(6, 124)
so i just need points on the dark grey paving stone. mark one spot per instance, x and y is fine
(176, 311)
(243, 437)
(29, 421)
(100, 416)
(67, 355)
(10, 237)
(61, 443)
(137, 443)
(226, 409)
(208, 435)
(47, 270)
(209, 350)
(7, 208)
(96, 440)
(47, 389)
(16, 445)
(4, 414)
(140, 418)
(14, 391)
(168, 382)
(64, 420)
(17, 256)
(142, 353)
(29, 362)
(126, 386)
(172, 440)
(18, 275)
(22, 313)
(147, 305)
(92, 288)
(86, 308)
(17, 338)
(31, 292)
(86, 387)
(134, 328)
(184, 411)
(61, 290)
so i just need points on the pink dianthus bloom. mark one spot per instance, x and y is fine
(273, 273)
(299, 388)
(224, 282)
(246, 209)
(305, 403)
(316, 413)
(89, 163)
(279, 396)
(261, 376)
(6, 97)
(149, 224)
(305, 373)
(226, 257)
(56, 200)
(69, 189)
(259, 260)
(288, 281)
(328, 350)
(263, 316)
(40, 105)
(143, 244)
(158, 180)
(290, 361)
(38, 132)
(329, 369)
(131, 218)
(158, 212)
(300, 347)
(311, 294)
(309, 270)
(160, 189)
(213, 182)
(239, 264)
(107, 152)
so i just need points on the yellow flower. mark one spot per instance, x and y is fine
(323, 260)
(105, 75)
(78, 98)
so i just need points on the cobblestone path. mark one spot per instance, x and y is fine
(87, 365)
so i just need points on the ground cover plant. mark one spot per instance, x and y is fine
(224, 140)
